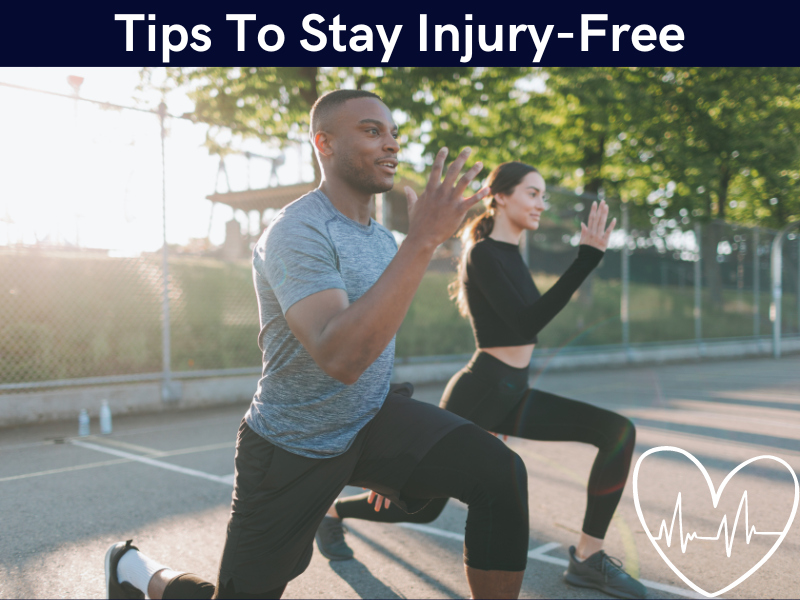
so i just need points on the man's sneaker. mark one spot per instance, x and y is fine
(330, 540)
(115, 589)
(603, 572)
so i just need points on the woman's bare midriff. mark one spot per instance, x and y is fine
(515, 356)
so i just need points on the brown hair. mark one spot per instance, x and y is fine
(502, 180)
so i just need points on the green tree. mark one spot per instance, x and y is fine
(273, 103)
(725, 136)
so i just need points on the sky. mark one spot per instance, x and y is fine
(74, 174)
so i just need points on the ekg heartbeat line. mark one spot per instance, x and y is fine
(748, 531)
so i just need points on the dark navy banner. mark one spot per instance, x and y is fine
(398, 33)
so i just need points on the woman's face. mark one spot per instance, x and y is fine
(525, 205)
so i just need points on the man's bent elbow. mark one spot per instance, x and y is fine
(343, 373)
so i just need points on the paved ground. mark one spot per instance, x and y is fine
(164, 480)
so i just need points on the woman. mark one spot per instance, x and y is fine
(495, 291)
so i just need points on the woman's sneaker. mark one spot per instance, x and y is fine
(330, 540)
(115, 589)
(603, 572)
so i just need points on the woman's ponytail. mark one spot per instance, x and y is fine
(474, 231)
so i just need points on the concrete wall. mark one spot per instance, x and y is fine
(604, 357)
(65, 403)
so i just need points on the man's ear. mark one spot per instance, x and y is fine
(322, 143)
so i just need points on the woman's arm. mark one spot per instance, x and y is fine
(488, 274)
(532, 318)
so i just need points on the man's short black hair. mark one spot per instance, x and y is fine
(326, 106)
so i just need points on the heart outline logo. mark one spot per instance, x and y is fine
(715, 496)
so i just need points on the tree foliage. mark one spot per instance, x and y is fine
(696, 143)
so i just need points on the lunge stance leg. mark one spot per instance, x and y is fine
(357, 507)
(478, 469)
(547, 417)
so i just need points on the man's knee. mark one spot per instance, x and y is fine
(512, 478)
(497, 524)
(504, 478)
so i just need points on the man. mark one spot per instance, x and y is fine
(332, 291)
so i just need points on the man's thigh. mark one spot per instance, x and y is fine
(396, 440)
(279, 500)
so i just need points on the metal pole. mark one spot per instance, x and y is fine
(776, 269)
(798, 285)
(756, 286)
(167, 394)
(625, 299)
(698, 282)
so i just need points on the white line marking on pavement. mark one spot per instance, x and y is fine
(104, 463)
(433, 531)
(154, 463)
(119, 461)
(535, 554)
(540, 554)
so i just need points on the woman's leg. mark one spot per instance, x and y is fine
(357, 507)
(548, 417)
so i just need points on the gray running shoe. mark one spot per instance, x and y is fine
(330, 540)
(603, 572)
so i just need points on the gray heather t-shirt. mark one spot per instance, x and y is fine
(310, 247)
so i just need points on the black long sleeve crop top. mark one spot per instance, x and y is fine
(505, 308)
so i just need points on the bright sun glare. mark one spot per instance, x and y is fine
(74, 174)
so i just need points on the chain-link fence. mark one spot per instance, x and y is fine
(667, 281)
(82, 261)
(82, 264)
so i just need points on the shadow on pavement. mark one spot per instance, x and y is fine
(364, 583)
(728, 435)
(775, 473)
(755, 403)
(412, 569)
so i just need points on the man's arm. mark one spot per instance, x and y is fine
(345, 339)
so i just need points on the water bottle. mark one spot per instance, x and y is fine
(105, 418)
(83, 423)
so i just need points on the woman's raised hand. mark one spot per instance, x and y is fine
(594, 232)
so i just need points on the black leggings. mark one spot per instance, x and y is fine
(466, 464)
(496, 397)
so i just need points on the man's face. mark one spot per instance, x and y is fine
(363, 137)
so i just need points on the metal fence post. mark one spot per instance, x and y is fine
(168, 393)
(756, 286)
(776, 270)
(625, 298)
(698, 282)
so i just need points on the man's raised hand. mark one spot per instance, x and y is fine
(436, 215)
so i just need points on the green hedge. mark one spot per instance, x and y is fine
(81, 315)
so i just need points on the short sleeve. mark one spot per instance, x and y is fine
(297, 260)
